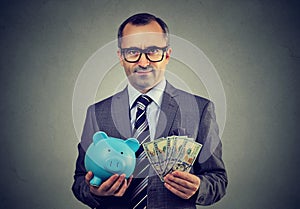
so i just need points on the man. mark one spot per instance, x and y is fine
(144, 53)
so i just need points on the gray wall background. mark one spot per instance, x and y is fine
(254, 46)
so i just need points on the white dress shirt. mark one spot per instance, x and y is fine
(153, 109)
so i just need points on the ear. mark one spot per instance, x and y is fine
(133, 144)
(99, 136)
(120, 57)
(168, 53)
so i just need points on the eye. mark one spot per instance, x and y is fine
(153, 50)
(121, 153)
(108, 150)
(132, 52)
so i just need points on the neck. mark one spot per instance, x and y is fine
(143, 91)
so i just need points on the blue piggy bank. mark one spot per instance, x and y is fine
(107, 156)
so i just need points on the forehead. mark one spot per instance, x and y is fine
(143, 35)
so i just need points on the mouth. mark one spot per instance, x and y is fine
(143, 71)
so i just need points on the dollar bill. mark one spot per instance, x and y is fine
(170, 144)
(151, 153)
(178, 144)
(161, 146)
(172, 153)
(188, 155)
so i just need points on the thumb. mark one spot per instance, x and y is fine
(88, 176)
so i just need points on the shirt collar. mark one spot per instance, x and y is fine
(155, 93)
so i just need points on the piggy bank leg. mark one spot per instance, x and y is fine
(95, 181)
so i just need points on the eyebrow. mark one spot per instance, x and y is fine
(152, 46)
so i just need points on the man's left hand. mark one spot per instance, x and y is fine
(182, 184)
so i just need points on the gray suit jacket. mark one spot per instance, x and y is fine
(180, 111)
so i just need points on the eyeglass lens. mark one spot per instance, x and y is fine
(153, 54)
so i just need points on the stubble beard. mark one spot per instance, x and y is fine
(143, 82)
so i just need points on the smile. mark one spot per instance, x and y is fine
(143, 71)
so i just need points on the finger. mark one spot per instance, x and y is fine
(122, 189)
(181, 184)
(88, 177)
(106, 185)
(173, 182)
(124, 186)
(189, 180)
(129, 181)
(103, 189)
(116, 184)
(186, 176)
(176, 192)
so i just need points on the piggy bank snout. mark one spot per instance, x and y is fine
(115, 164)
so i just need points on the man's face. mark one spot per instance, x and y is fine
(144, 74)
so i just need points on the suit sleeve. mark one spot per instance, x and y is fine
(209, 166)
(80, 188)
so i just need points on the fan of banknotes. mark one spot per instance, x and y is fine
(172, 153)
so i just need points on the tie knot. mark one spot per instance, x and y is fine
(143, 101)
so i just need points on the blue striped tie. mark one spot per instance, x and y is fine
(141, 132)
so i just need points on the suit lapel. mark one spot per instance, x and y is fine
(120, 113)
(169, 112)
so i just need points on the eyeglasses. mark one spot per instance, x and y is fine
(153, 53)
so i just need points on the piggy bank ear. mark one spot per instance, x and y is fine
(99, 136)
(133, 144)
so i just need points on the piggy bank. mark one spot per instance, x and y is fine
(107, 156)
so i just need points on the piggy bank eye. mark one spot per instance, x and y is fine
(121, 153)
(108, 150)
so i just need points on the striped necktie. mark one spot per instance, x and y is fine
(141, 132)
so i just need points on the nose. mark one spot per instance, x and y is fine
(143, 62)
(114, 165)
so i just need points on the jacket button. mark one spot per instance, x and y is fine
(201, 199)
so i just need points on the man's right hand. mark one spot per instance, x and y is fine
(116, 185)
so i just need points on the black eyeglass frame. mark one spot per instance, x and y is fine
(144, 51)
